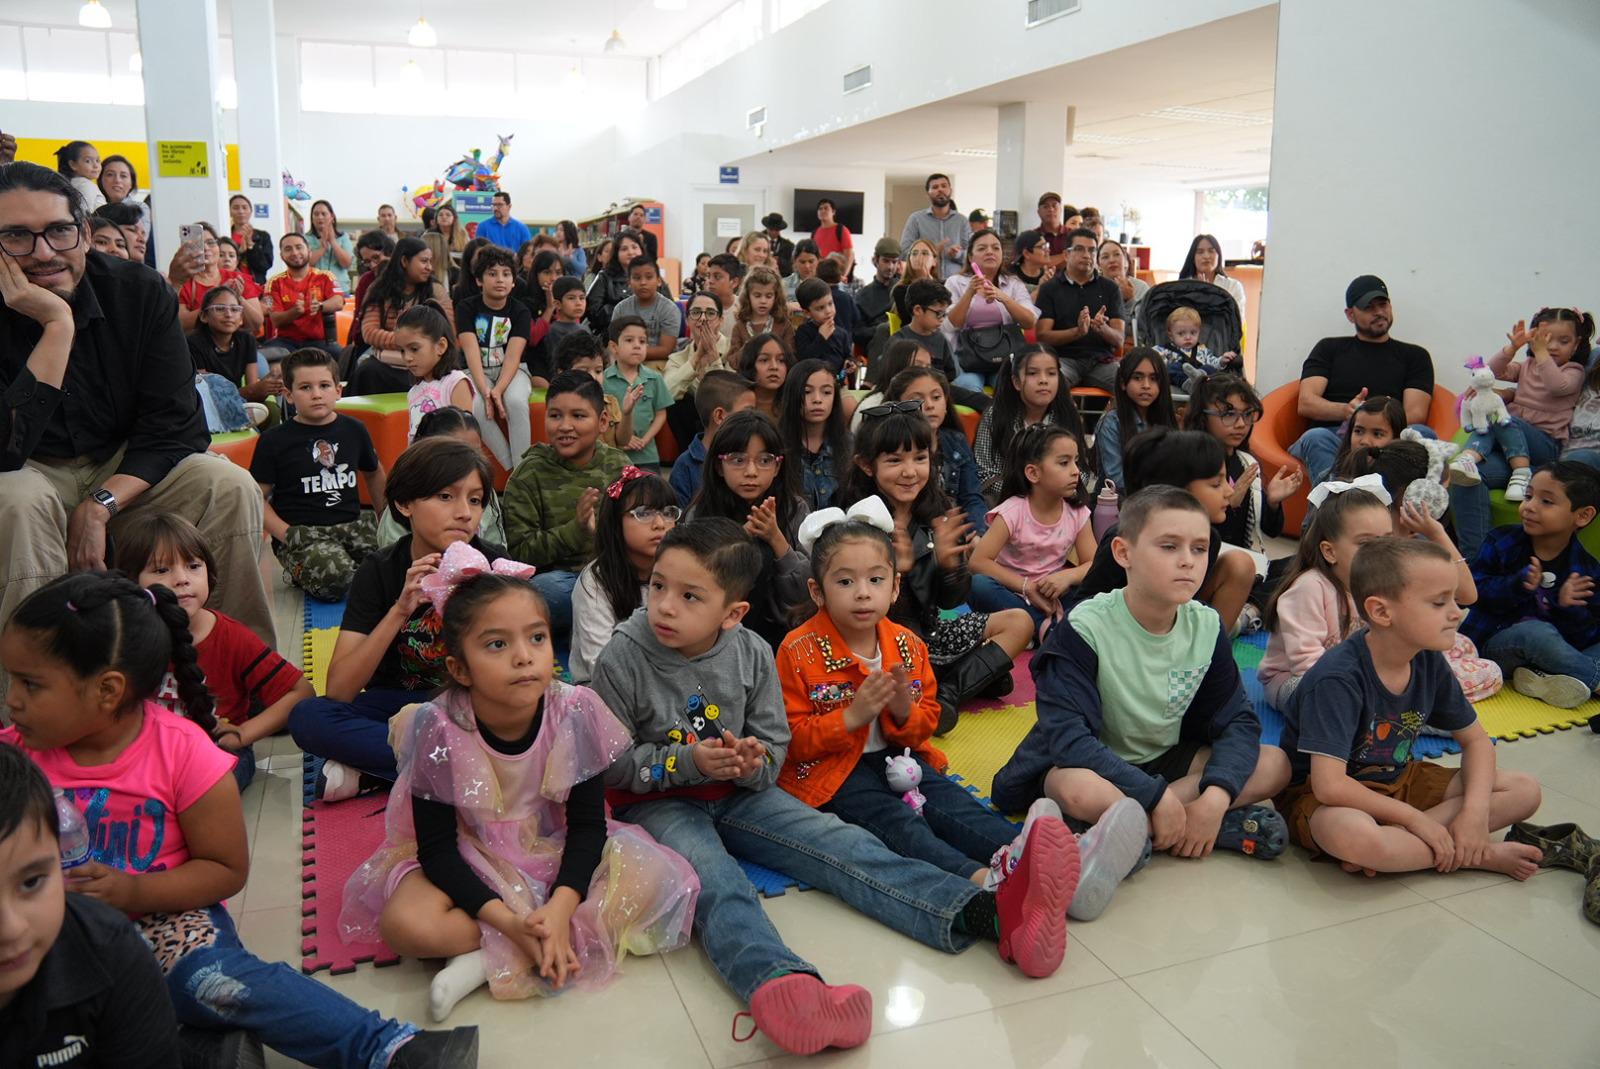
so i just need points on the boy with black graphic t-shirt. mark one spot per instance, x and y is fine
(307, 470)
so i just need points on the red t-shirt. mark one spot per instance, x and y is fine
(194, 291)
(284, 293)
(828, 242)
(243, 673)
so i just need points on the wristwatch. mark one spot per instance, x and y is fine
(108, 500)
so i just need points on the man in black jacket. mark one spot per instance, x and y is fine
(873, 301)
(782, 248)
(100, 413)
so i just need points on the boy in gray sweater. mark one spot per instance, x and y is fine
(701, 697)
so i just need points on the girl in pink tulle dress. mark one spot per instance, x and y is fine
(499, 855)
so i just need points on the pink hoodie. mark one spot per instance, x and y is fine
(1547, 392)
(1308, 626)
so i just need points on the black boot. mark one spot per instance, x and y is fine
(455, 1049)
(971, 677)
(203, 1048)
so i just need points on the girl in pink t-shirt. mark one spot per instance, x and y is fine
(427, 343)
(86, 654)
(1040, 527)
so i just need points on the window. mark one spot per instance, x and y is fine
(787, 11)
(735, 29)
(13, 80)
(1237, 215)
(335, 77)
(68, 66)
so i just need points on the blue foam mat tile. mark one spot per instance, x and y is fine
(769, 882)
(321, 614)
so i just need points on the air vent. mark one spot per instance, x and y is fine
(1041, 11)
(755, 118)
(859, 78)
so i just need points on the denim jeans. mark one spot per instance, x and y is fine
(352, 733)
(1590, 457)
(224, 986)
(775, 829)
(1507, 434)
(987, 595)
(1469, 505)
(970, 380)
(1537, 644)
(244, 769)
(954, 831)
(1317, 447)
(555, 587)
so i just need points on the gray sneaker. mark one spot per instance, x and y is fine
(1563, 692)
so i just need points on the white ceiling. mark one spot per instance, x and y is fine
(547, 26)
(1225, 70)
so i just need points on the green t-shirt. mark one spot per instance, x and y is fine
(656, 397)
(1146, 681)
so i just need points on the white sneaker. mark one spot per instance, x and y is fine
(1464, 471)
(1110, 851)
(1249, 621)
(337, 782)
(1563, 692)
(257, 412)
(1517, 487)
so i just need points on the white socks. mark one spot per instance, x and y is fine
(461, 976)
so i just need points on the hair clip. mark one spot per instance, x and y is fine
(629, 474)
(151, 594)
(71, 607)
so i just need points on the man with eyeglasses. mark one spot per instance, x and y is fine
(1342, 372)
(101, 414)
(873, 301)
(1080, 316)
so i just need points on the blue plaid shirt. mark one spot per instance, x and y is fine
(1500, 570)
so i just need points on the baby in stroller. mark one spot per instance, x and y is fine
(1188, 358)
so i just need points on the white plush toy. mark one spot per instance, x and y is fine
(904, 774)
(1429, 493)
(1481, 407)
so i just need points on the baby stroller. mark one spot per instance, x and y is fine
(1221, 328)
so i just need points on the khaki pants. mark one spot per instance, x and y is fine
(214, 494)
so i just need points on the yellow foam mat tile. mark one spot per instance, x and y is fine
(983, 741)
(318, 650)
(1511, 716)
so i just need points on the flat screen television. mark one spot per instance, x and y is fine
(848, 208)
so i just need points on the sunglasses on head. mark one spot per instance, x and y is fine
(889, 408)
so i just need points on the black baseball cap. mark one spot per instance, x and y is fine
(1363, 291)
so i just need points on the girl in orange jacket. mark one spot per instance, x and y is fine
(859, 689)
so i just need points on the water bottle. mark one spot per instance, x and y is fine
(1106, 510)
(74, 833)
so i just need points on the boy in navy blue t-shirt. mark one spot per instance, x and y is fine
(1355, 792)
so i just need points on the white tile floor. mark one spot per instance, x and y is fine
(1228, 962)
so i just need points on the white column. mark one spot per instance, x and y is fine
(1461, 172)
(178, 41)
(1031, 156)
(260, 154)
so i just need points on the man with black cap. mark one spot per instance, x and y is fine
(1343, 372)
(782, 247)
(874, 302)
(977, 221)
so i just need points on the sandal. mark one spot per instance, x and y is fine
(1255, 830)
(1591, 894)
(1565, 846)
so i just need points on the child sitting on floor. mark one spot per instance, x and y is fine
(821, 337)
(117, 999)
(815, 430)
(701, 697)
(252, 686)
(582, 351)
(719, 395)
(387, 654)
(86, 654)
(859, 691)
(1312, 611)
(1142, 399)
(1040, 542)
(551, 497)
(1139, 697)
(633, 517)
(955, 466)
(307, 469)
(1357, 793)
(1536, 615)
(522, 885)
(463, 426)
(640, 390)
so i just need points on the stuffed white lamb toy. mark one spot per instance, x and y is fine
(1481, 407)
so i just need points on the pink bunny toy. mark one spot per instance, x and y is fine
(904, 774)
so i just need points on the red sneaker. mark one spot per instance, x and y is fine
(1032, 901)
(803, 1015)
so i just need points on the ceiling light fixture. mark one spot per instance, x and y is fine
(411, 72)
(615, 43)
(976, 153)
(1113, 139)
(1207, 115)
(422, 34)
(94, 16)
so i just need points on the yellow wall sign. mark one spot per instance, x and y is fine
(182, 159)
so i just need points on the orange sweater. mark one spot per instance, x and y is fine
(820, 675)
